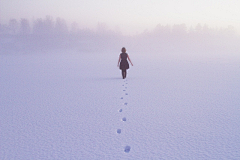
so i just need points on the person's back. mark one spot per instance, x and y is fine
(123, 62)
(124, 56)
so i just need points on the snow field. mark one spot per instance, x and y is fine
(76, 106)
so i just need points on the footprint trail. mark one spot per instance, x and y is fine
(127, 148)
(124, 119)
(119, 131)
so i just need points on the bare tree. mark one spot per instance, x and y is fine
(229, 31)
(13, 26)
(74, 28)
(179, 29)
(199, 29)
(25, 26)
(44, 26)
(38, 26)
(49, 25)
(61, 26)
(161, 30)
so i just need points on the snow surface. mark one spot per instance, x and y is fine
(76, 106)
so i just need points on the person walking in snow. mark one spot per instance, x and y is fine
(124, 63)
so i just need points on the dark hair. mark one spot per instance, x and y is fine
(123, 50)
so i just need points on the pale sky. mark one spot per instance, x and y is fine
(130, 16)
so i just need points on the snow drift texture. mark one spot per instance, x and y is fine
(176, 103)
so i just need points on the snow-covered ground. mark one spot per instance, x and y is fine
(76, 106)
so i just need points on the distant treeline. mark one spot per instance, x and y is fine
(48, 26)
(48, 33)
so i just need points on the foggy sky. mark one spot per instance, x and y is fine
(129, 16)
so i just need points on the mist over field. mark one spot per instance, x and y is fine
(62, 94)
(63, 97)
(46, 34)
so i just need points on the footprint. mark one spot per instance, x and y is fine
(124, 90)
(120, 110)
(124, 119)
(125, 103)
(126, 94)
(127, 149)
(125, 87)
(119, 131)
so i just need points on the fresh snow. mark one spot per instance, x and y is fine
(76, 106)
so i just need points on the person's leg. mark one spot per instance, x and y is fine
(123, 74)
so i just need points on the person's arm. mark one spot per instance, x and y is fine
(130, 60)
(119, 60)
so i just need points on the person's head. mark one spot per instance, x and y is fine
(123, 50)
